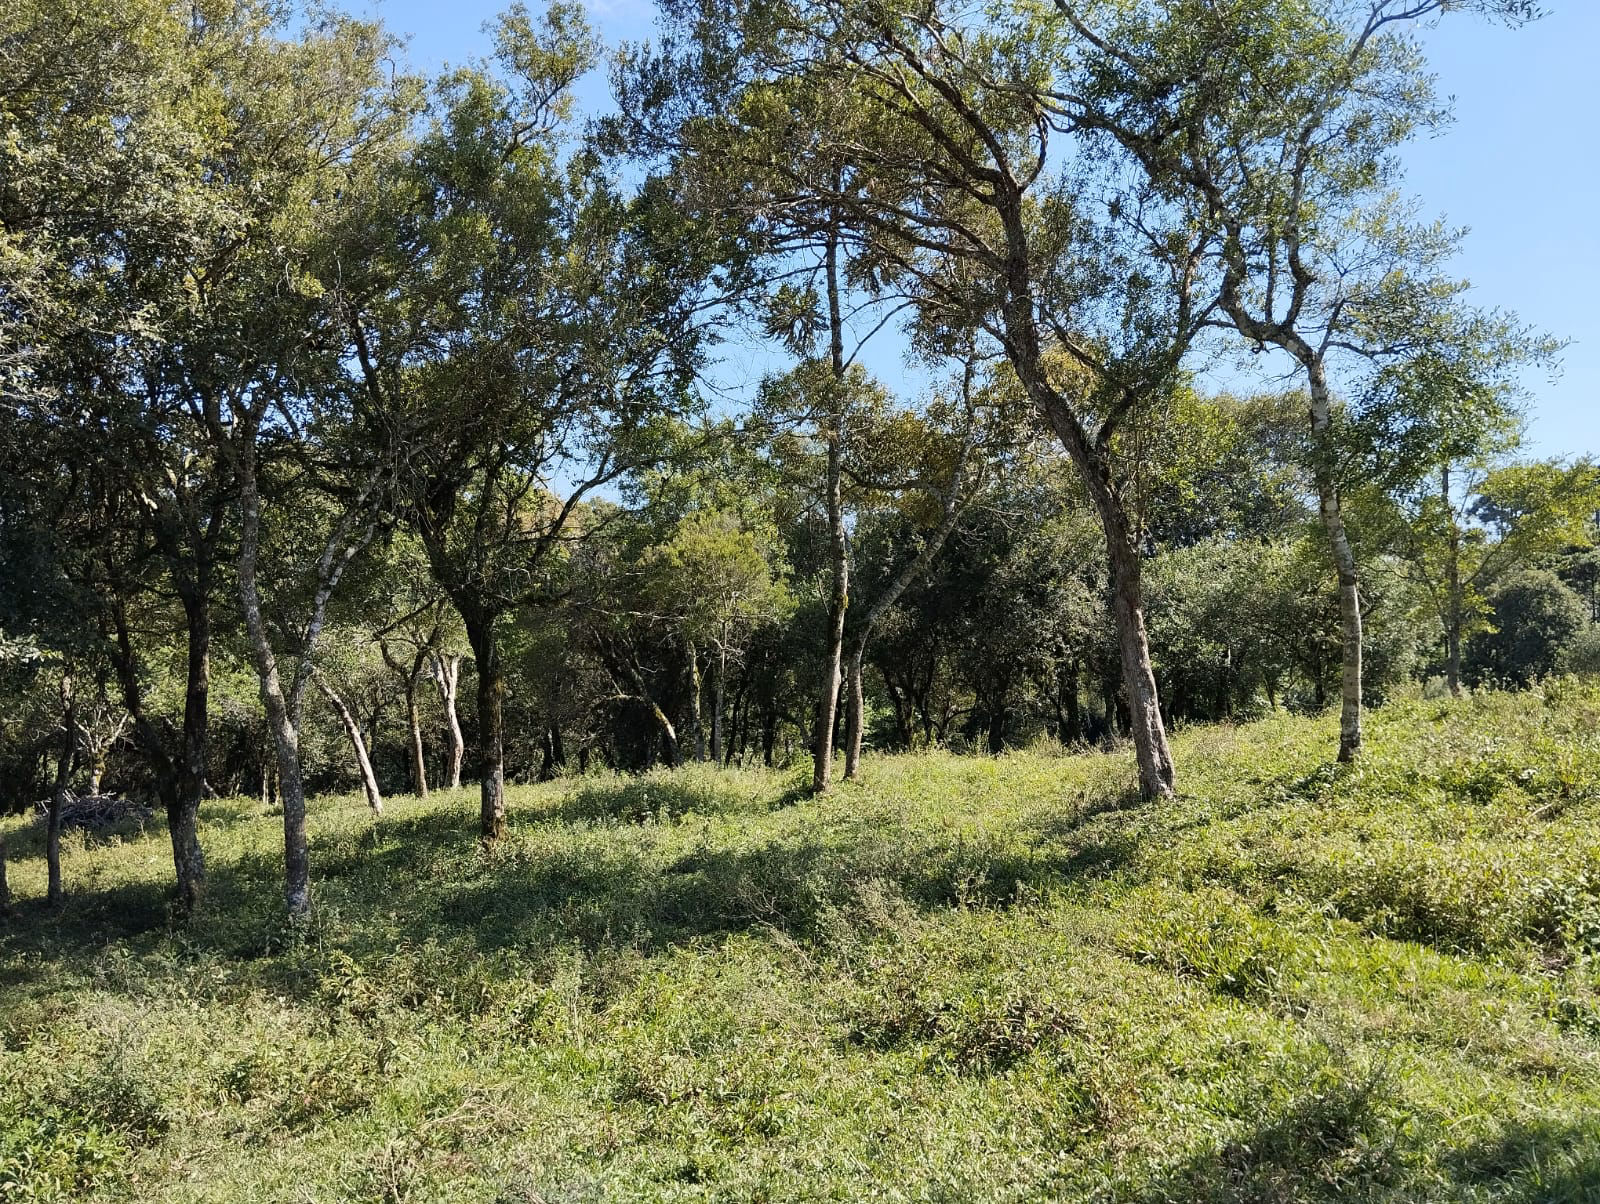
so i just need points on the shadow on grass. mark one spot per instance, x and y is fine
(1534, 1163)
(1328, 1144)
(568, 878)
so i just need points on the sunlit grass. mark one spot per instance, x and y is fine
(963, 979)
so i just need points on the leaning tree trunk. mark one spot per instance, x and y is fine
(352, 731)
(280, 719)
(491, 727)
(1091, 459)
(1149, 732)
(838, 548)
(1331, 508)
(446, 676)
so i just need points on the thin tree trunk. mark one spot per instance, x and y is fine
(696, 719)
(183, 806)
(58, 795)
(5, 889)
(410, 676)
(447, 676)
(1331, 508)
(352, 730)
(1453, 593)
(419, 760)
(1069, 691)
(718, 697)
(855, 712)
(839, 562)
(280, 721)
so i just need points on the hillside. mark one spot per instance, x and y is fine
(966, 979)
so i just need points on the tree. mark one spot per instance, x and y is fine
(1273, 124)
(1482, 520)
(527, 326)
(719, 579)
(958, 195)
(1534, 618)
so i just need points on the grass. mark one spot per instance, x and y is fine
(963, 980)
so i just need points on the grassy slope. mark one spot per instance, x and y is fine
(967, 979)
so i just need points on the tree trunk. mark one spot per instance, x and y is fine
(855, 713)
(1154, 757)
(719, 686)
(447, 676)
(839, 595)
(419, 760)
(696, 719)
(491, 730)
(1156, 775)
(1331, 508)
(997, 726)
(183, 802)
(1069, 692)
(410, 675)
(58, 795)
(280, 720)
(352, 730)
(1453, 594)
(5, 889)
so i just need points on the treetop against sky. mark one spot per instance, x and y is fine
(1519, 168)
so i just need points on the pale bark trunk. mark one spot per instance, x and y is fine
(352, 730)
(839, 562)
(419, 760)
(410, 676)
(1148, 730)
(696, 719)
(1331, 508)
(281, 724)
(447, 676)
(5, 889)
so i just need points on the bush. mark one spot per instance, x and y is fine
(1536, 619)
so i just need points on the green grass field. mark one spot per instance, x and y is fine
(965, 979)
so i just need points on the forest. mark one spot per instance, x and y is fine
(803, 401)
(370, 429)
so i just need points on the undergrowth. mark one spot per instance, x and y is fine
(963, 979)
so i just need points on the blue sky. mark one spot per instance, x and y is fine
(1520, 168)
